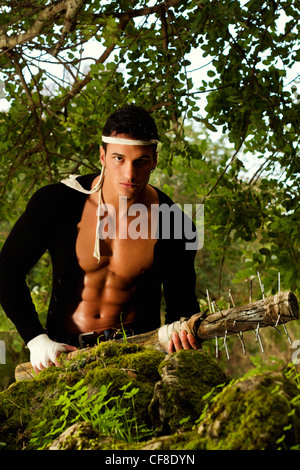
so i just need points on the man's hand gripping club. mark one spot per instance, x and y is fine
(183, 340)
(44, 352)
(178, 335)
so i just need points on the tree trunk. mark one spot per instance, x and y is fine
(272, 311)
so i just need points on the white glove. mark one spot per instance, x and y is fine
(44, 351)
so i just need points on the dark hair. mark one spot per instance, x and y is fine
(133, 121)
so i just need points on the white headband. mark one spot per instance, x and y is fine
(73, 183)
(118, 140)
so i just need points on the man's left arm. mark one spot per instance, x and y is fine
(180, 296)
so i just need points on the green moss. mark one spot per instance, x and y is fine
(105, 354)
(186, 377)
(112, 352)
(27, 404)
(253, 414)
(83, 436)
(144, 364)
(195, 364)
(117, 378)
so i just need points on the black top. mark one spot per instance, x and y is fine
(50, 223)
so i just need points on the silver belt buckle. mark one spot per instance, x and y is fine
(82, 335)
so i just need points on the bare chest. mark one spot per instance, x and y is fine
(126, 243)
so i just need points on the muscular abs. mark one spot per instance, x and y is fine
(110, 286)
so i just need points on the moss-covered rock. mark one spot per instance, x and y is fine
(186, 376)
(254, 413)
(148, 390)
(27, 408)
(83, 436)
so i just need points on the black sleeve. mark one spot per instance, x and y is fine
(178, 273)
(24, 246)
(179, 284)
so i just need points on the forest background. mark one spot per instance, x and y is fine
(219, 77)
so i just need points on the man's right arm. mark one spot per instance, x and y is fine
(26, 243)
(24, 246)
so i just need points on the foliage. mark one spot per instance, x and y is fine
(108, 414)
(113, 398)
(244, 402)
(250, 225)
(257, 411)
(66, 65)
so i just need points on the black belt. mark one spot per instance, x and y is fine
(92, 338)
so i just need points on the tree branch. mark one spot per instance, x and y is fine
(71, 9)
(45, 17)
(80, 85)
(33, 108)
(71, 13)
(158, 8)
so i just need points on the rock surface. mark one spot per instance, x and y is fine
(125, 396)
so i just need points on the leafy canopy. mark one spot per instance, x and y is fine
(67, 64)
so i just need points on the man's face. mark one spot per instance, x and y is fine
(128, 167)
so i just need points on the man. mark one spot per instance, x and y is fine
(107, 274)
